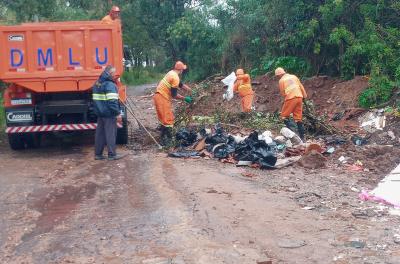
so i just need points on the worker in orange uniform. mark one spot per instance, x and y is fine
(166, 90)
(293, 90)
(243, 88)
(114, 14)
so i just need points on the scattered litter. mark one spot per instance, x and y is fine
(184, 154)
(264, 262)
(244, 163)
(282, 163)
(374, 120)
(280, 139)
(200, 145)
(387, 190)
(281, 147)
(230, 82)
(359, 141)
(356, 244)
(266, 136)
(238, 139)
(288, 243)
(185, 137)
(330, 150)
(334, 140)
(287, 133)
(343, 159)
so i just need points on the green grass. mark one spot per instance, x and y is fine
(139, 76)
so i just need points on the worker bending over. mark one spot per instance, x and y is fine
(243, 88)
(294, 93)
(114, 14)
(166, 90)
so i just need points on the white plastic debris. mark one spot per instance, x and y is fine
(343, 159)
(287, 133)
(230, 81)
(266, 136)
(244, 163)
(374, 120)
(387, 190)
(280, 139)
(238, 139)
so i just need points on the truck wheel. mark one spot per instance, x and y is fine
(33, 140)
(16, 141)
(122, 133)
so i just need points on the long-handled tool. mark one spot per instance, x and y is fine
(137, 120)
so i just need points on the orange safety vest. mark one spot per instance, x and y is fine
(291, 87)
(243, 85)
(107, 19)
(170, 80)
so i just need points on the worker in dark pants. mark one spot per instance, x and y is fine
(107, 109)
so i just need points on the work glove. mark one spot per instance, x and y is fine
(188, 99)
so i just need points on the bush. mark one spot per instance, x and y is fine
(380, 91)
(294, 65)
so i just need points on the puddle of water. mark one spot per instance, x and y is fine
(57, 206)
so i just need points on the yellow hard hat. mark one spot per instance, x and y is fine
(180, 66)
(239, 72)
(279, 71)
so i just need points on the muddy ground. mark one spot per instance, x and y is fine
(58, 205)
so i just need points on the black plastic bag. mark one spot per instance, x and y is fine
(185, 137)
(184, 154)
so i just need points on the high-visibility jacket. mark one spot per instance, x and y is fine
(170, 80)
(243, 85)
(291, 87)
(105, 97)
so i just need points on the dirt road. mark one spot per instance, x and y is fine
(58, 205)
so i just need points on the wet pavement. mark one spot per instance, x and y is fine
(58, 205)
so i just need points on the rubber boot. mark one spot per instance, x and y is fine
(287, 123)
(163, 136)
(166, 136)
(300, 128)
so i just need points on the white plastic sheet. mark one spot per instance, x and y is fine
(230, 81)
(387, 190)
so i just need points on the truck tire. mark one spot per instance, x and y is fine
(16, 141)
(33, 140)
(122, 133)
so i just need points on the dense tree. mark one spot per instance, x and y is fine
(335, 37)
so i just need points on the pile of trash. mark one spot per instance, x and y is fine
(258, 150)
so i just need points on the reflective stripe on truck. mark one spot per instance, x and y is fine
(50, 128)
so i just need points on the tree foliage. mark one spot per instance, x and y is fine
(334, 37)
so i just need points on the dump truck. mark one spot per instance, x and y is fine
(49, 69)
